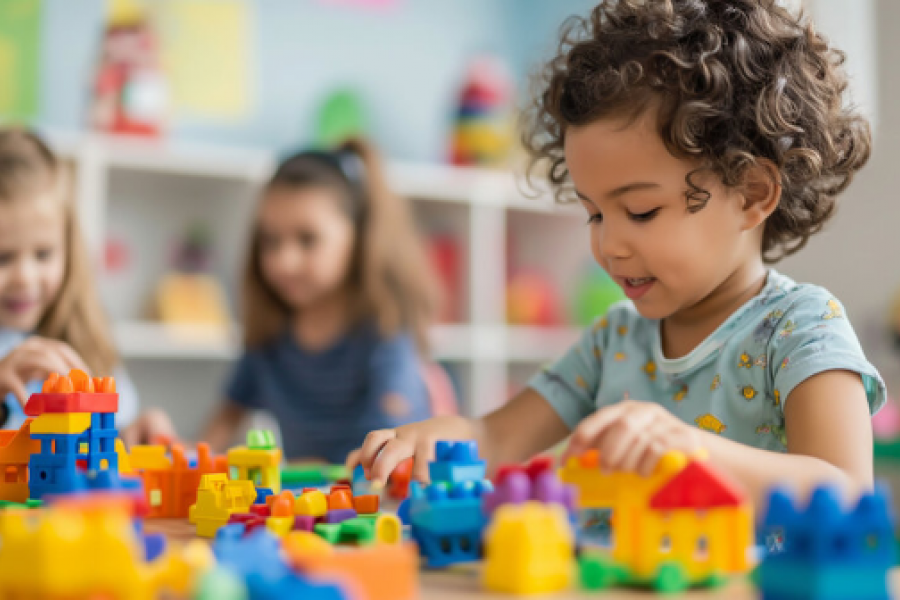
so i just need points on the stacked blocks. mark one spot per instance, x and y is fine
(446, 517)
(537, 481)
(456, 462)
(829, 553)
(529, 549)
(217, 500)
(684, 525)
(74, 420)
(258, 462)
(171, 484)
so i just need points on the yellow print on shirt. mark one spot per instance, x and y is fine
(777, 398)
(650, 370)
(710, 423)
(745, 362)
(748, 392)
(716, 383)
(580, 382)
(601, 324)
(789, 328)
(834, 311)
(680, 394)
(619, 356)
(623, 330)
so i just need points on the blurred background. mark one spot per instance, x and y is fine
(174, 112)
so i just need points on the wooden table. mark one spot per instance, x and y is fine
(463, 582)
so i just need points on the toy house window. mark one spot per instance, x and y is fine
(701, 549)
(665, 544)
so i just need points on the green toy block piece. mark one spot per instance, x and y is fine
(359, 530)
(220, 584)
(330, 532)
(600, 573)
(260, 439)
(670, 578)
(336, 472)
(310, 476)
(30, 503)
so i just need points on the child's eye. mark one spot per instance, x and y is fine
(595, 218)
(645, 216)
(44, 254)
(6, 258)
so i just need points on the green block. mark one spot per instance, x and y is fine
(30, 503)
(330, 532)
(358, 530)
(303, 475)
(601, 572)
(887, 450)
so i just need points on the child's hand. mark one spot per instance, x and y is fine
(34, 359)
(384, 449)
(151, 427)
(633, 436)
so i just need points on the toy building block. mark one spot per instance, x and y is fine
(171, 484)
(61, 423)
(529, 549)
(81, 550)
(537, 481)
(388, 529)
(366, 505)
(16, 448)
(257, 562)
(685, 525)
(217, 500)
(447, 520)
(313, 475)
(259, 461)
(829, 552)
(340, 498)
(399, 480)
(363, 569)
(313, 504)
(456, 462)
(358, 530)
(75, 393)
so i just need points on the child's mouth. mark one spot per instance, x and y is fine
(635, 287)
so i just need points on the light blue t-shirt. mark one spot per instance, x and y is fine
(735, 383)
(128, 397)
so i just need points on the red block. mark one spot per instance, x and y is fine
(73, 402)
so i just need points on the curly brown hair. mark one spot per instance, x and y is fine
(733, 82)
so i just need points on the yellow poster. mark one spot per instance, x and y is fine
(206, 48)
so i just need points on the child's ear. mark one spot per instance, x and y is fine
(762, 192)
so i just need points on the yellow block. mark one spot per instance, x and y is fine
(529, 549)
(217, 500)
(124, 460)
(68, 423)
(311, 504)
(388, 529)
(280, 526)
(149, 458)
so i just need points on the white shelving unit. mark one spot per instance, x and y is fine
(484, 209)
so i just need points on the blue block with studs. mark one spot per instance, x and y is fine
(456, 462)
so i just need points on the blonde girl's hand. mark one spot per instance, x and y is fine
(384, 449)
(35, 359)
(633, 436)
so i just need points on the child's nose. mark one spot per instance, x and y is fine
(610, 243)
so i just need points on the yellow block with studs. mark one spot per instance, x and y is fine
(61, 423)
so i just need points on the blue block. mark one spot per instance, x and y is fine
(447, 521)
(261, 495)
(456, 462)
(154, 545)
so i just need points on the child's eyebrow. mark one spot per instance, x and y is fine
(622, 190)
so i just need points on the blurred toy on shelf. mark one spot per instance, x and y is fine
(445, 256)
(342, 116)
(189, 294)
(484, 126)
(595, 293)
(532, 299)
(129, 94)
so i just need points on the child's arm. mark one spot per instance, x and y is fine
(220, 431)
(526, 425)
(827, 424)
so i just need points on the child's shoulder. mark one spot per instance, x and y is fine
(784, 299)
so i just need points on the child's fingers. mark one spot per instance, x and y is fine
(353, 459)
(633, 453)
(71, 358)
(423, 457)
(590, 429)
(16, 387)
(620, 437)
(391, 455)
(372, 445)
(650, 458)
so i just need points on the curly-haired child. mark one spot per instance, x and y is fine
(704, 139)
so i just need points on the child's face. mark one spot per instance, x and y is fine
(666, 258)
(32, 260)
(306, 244)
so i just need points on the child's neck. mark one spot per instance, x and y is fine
(686, 329)
(319, 325)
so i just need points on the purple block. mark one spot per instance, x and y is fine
(340, 515)
(304, 523)
(515, 489)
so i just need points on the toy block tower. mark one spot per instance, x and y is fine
(74, 420)
(259, 461)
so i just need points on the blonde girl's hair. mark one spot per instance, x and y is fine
(390, 278)
(29, 171)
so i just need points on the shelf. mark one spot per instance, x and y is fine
(422, 181)
(452, 343)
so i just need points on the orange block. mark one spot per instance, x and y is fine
(283, 505)
(366, 505)
(365, 569)
(340, 497)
